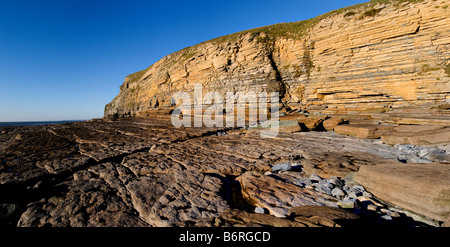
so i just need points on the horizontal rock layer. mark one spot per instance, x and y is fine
(364, 57)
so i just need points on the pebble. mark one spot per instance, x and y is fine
(260, 210)
(349, 195)
(281, 167)
(338, 193)
(421, 154)
(358, 187)
(394, 214)
(386, 217)
(335, 181)
(350, 203)
(367, 194)
(303, 182)
(315, 177)
(372, 207)
(220, 133)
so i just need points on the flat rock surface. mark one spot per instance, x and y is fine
(144, 172)
(423, 188)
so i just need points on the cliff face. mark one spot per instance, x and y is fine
(376, 55)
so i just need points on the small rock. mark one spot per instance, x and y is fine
(371, 207)
(338, 193)
(309, 187)
(335, 181)
(296, 166)
(279, 212)
(281, 167)
(423, 152)
(315, 178)
(350, 203)
(367, 194)
(348, 179)
(324, 189)
(386, 217)
(439, 155)
(358, 188)
(394, 214)
(385, 211)
(406, 148)
(221, 133)
(417, 159)
(260, 210)
(352, 194)
(38, 185)
(302, 182)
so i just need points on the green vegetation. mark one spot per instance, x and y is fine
(427, 68)
(136, 76)
(447, 69)
(371, 12)
(267, 35)
(296, 30)
(350, 13)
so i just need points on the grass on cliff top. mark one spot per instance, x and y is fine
(293, 30)
(296, 30)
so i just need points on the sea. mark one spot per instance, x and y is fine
(29, 123)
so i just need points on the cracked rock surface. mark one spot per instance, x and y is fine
(144, 172)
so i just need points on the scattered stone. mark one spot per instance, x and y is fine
(278, 196)
(439, 155)
(315, 178)
(349, 203)
(335, 181)
(144, 173)
(281, 167)
(260, 210)
(386, 217)
(371, 207)
(338, 193)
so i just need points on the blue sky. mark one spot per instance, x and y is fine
(65, 59)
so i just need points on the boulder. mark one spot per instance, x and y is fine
(367, 131)
(312, 122)
(289, 126)
(330, 123)
(420, 188)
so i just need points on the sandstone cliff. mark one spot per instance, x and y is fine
(377, 55)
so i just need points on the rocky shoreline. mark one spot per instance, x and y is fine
(145, 172)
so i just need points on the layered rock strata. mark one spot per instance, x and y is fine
(377, 55)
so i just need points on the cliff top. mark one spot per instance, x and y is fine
(290, 30)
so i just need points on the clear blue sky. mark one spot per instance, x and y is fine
(65, 59)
